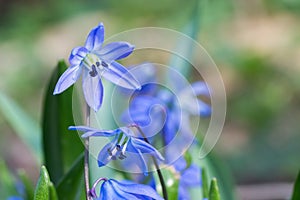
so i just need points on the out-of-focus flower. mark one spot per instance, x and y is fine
(174, 108)
(112, 189)
(190, 176)
(124, 141)
(95, 61)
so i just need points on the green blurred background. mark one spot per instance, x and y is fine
(255, 44)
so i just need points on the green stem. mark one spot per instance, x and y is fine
(160, 176)
(86, 158)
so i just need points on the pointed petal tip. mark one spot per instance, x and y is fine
(72, 128)
(100, 164)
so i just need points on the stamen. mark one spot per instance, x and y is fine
(104, 64)
(94, 72)
(97, 63)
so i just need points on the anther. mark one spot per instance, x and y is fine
(97, 63)
(94, 72)
(104, 64)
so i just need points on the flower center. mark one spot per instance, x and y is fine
(119, 147)
(94, 64)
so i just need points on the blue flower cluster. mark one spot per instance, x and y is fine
(94, 61)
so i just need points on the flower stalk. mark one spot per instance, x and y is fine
(160, 176)
(86, 157)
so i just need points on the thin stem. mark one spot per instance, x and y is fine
(86, 158)
(160, 176)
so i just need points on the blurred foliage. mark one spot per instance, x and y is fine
(265, 99)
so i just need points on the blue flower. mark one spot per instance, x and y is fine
(174, 110)
(124, 141)
(190, 176)
(95, 61)
(112, 190)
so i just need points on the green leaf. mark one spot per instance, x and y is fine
(52, 192)
(204, 183)
(183, 48)
(296, 192)
(214, 193)
(72, 181)
(23, 124)
(42, 187)
(215, 167)
(61, 147)
(28, 186)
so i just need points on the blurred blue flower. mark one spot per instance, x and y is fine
(14, 198)
(124, 141)
(173, 110)
(94, 61)
(112, 189)
(190, 176)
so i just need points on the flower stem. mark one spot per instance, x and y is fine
(86, 158)
(160, 176)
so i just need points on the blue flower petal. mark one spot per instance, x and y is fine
(140, 161)
(144, 147)
(95, 38)
(107, 192)
(103, 156)
(191, 176)
(91, 132)
(200, 88)
(77, 55)
(137, 189)
(121, 194)
(68, 78)
(119, 75)
(115, 51)
(92, 90)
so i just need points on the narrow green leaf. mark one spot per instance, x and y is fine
(61, 147)
(52, 192)
(192, 28)
(23, 124)
(214, 193)
(204, 183)
(28, 186)
(71, 185)
(42, 187)
(296, 192)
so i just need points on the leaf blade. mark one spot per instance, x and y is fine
(60, 147)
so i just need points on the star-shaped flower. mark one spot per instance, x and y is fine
(124, 141)
(94, 61)
(112, 189)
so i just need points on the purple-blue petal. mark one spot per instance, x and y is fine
(119, 75)
(146, 148)
(191, 176)
(92, 132)
(103, 156)
(92, 90)
(121, 194)
(68, 78)
(95, 38)
(200, 88)
(136, 189)
(77, 55)
(115, 51)
(141, 163)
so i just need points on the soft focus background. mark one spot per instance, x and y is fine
(255, 44)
